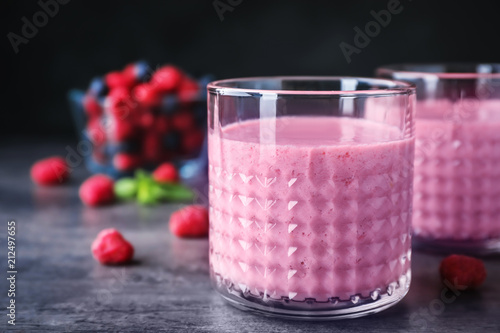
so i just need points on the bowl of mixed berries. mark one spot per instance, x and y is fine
(140, 117)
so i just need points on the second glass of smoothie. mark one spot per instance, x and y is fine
(310, 186)
(457, 155)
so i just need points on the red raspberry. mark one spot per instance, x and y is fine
(463, 271)
(191, 221)
(146, 94)
(162, 125)
(110, 248)
(97, 190)
(188, 90)
(167, 78)
(126, 162)
(113, 79)
(167, 155)
(96, 132)
(192, 140)
(183, 120)
(120, 103)
(119, 93)
(92, 107)
(123, 130)
(129, 74)
(152, 147)
(124, 109)
(118, 79)
(147, 120)
(50, 171)
(166, 173)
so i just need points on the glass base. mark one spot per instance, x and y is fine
(310, 309)
(449, 246)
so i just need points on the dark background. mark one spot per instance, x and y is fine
(89, 38)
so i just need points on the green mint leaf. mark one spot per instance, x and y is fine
(125, 188)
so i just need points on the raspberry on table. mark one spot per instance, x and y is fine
(50, 171)
(110, 248)
(462, 271)
(97, 190)
(190, 222)
(166, 173)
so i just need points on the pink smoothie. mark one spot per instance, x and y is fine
(320, 208)
(457, 170)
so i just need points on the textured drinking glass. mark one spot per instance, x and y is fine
(457, 155)
(310, 187)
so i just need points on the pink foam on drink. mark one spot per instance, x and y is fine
(457, 170)
(320, 208)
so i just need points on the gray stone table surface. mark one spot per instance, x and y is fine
(60, 287)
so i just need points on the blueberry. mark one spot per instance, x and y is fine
(200, 114)
(169, 104)
(98, 87)
(202, 87)
(75, 98)
(203, 156)
(196, 170)
(142, 71)
(101, 100)
(190, 169)
(172, 141)
(195, 167)
(112, 149)
(204, 80)
(122, 147)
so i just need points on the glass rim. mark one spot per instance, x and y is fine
(405, 70)
(392, 87)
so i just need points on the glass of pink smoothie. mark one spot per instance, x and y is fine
(310, 188)
(456, 204)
